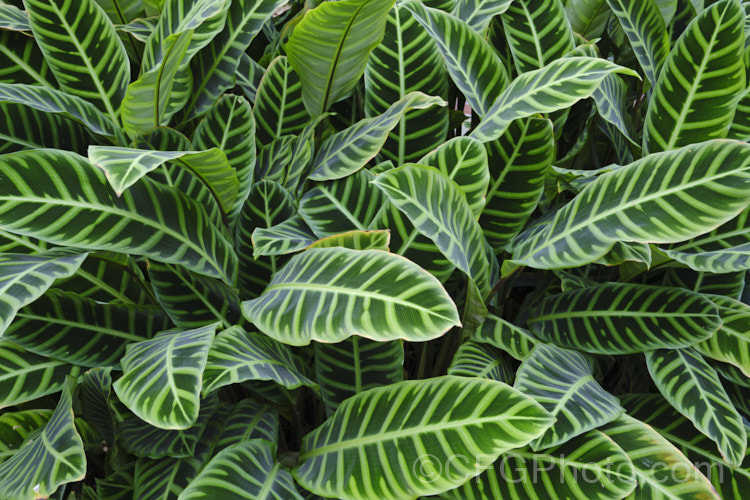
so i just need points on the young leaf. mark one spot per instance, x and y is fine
(325, 53)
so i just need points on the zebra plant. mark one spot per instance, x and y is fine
(374, 249)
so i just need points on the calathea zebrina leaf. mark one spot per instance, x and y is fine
(58, 196)
(614, 206)
(621, 318)
(504, 418)
(304, 300)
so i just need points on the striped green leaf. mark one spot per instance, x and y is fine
(479, 13)
(289, 236)
(538, 32)
(192, 300)
(24, 278)
(702, 79)
(59, 197)
(150, 100)
(668, 9)
(143, 440)
(82, 331)
(364, 424)
(731, 342)
(662, 471)
(646, 30)
(518, 161)
(16, 426)
(356, 364)
(474, 359)
(562, 381)
(504, 335)
(215, 65)
(327, 59)
(438, 209)
(347, 151)
(125, 166)
(25, 376)
(407, 60)
(95, 394)
(730, 284)
(230, 126)
(588, 18)
(237, 355)
(740, 130)
(352, 203)
(694, 389)
(23, 127)
(13, 18)
(701, 188)
(83, 51)
(118, 485)
(54, 101)
(357, 240)
(589, 466)
(268, 204)
(54, 458)
(248, 420)
(557, 86)
(700, 450)
(161, 378)
(244, 470)
(21, 61)
(610, 100)
(122, 11)
(472, 63)
(279, 109)
(620, 318)
(166, 477)
(305, 300)
(464, 160)
(249, 74)
(723, 250)
(204, 19)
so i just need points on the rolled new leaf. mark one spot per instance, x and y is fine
(389, 442)
(329, 294)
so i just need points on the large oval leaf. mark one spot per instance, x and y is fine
(731, 342)
(619, 318)
(59, 197)
(161, 378)
(701, 186)
(482, 418)
(329, 294)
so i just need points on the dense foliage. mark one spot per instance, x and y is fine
(368, 249)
